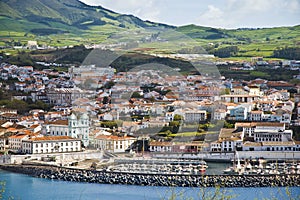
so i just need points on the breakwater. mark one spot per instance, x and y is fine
(93, 176)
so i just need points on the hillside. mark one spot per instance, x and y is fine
(39, 19)
(250, 41)
(60, 23)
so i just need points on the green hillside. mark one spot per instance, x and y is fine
(60, 23)
(250, 42)
(71, 22)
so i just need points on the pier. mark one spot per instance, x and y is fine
(178, 180)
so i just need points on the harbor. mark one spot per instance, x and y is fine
(159, 166)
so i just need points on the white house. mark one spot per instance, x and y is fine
(230, 139)
(56, 128)
(274, 134)
(219, 114)
(195, 115)
(160, 146)
(51, 144)
(239, 98)
(255, 115)
(112, 143)
(249, 127)
(15, 141)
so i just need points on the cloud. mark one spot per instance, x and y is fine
(213, 16)
(145, 9)
(217, 13)
(250, 13)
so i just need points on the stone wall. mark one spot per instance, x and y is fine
(92, 176)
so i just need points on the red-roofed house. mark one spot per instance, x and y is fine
(112, 143)
(15, 141)
(51, 144)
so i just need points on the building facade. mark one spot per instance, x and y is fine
(113, 144)
(50, 144)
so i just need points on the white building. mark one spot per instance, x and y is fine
(160, 146)
(50, 144)
(230, 139)
(112, 143)
(15, 141)
(255, 115)
(78, 127)
(239, 98)
(272, 134)
(249, 127)
(195, 116)
(219, 114)
(56, 128)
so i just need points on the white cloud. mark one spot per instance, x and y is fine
(250, 13)
(217, 13)
(145, 9)
(213, 16)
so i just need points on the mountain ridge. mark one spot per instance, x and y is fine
(58, 13)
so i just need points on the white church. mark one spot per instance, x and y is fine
(76, 126)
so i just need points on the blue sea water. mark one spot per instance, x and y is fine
(25, 187)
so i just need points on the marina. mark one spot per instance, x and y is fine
(160, 167)
(263, 167)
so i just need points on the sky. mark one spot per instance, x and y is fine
(213, 13)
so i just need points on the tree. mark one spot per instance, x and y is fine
(109, 124)
(228, 125)
(106, 100)
(177, 117)
(136, 95)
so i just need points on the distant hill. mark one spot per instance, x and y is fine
(44, 17)
(242, 34)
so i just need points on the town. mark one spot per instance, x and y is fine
(149, 112)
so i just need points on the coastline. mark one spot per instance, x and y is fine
(103, 177)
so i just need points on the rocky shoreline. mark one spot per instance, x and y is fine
(92, 176)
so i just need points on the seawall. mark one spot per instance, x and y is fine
(92, 176)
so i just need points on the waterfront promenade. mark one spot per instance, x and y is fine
(180, 180)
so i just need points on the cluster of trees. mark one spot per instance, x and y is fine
(292, 53)
(24, 106)
(225, 52)
(109, 124)
(280, 74)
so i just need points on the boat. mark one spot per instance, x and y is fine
(237, 167)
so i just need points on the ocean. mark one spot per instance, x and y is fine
(24, 187)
